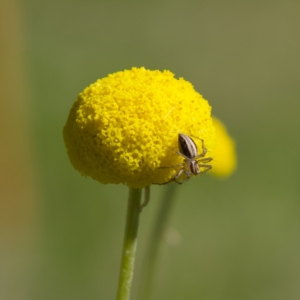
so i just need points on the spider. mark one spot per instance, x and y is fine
(193, 161)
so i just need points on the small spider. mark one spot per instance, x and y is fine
(192, 160)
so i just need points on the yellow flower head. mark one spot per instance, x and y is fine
(124, 127)
(225, 159)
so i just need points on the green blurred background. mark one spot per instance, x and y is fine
(61, 234)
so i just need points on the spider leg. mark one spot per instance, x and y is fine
(172, 179)
(207, 167)
(203, 159)
(180, 165)
(204, 150)
(188, 175)
(179, 153)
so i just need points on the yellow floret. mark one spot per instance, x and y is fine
(224, 156)
(122, 128)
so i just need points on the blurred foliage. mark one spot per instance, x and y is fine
(239, 237)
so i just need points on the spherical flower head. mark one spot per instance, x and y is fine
(225, 158)
(124, 128)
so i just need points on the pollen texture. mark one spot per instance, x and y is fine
(124, 128)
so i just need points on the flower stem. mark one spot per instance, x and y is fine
(160, 225)
(129, 245)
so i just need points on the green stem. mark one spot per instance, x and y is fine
(129, 245)
(160, 225)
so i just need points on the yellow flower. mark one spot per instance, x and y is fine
(224, 156)
(122, 128)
